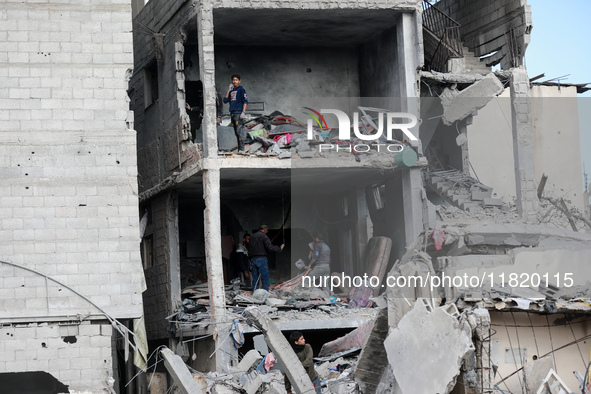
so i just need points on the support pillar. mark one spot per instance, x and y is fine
(361, 230)
(412, 204)
(225, 352)
(523, 145)
(207, 74)
(173, 257)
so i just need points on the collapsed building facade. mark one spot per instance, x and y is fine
(421, 212)
(433, 60)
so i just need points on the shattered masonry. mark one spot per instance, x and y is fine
(88, 135)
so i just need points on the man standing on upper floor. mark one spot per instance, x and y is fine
(236, 96)
(259, 245)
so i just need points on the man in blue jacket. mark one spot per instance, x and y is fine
(236, 96)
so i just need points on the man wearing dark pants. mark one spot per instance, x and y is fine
(259, 245)
(236, 96)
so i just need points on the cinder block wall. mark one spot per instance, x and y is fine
(85, 365)
(157, 296)
(68, 172)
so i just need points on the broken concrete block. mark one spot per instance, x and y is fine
(252, 148)
(307, 154)
(474, 239)
(459, 249)
(459, 105)
(492, 202)
(282, 351)
(535, 372)
(274, 149)
(284, 155)
(260, 345)
(251, 382)
(411, 348)
(260, 295)
(479, 195)
(303, 145)
(226, 138)
(250, 360)
(179, 372)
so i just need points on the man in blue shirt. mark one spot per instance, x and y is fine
(236, 96)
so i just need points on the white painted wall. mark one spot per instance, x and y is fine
(556, 149)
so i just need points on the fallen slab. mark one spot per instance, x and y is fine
(180, 373)
(282, 351)
(432, 340)
(459, 105)
(373, 360)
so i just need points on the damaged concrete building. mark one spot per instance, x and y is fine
(473, 227)
(70, 267)
(438, 206)
(183, 52)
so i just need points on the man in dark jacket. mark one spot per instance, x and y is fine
(305, 354)
(258, 247)
(236, 96)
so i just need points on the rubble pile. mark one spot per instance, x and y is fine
(284, 137)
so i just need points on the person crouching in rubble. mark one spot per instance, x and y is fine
(259, 245)
(320, 259)
(305, 354)
(236, 96)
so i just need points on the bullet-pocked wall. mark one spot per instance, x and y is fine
(286, 54)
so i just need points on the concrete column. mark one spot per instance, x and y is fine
(215, 273)
(207, 73)
(361, 217)
(174, 260)
(173, 257)
(523, 144)
(412, 204)
(407, 34)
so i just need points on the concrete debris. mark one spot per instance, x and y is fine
(282, 350)
(254, 147)
(251, 382)
(226, 138)
(284, 155)
(260, 295)
(535, 372)
(307, 154)
(421, 333)
(458, 105)
(179, 372)
(248, 363)
(373, 360)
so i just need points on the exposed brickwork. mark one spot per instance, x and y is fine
(85, 365)
(157, 278)
(68, 183)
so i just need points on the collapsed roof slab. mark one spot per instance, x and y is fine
(432, 340)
